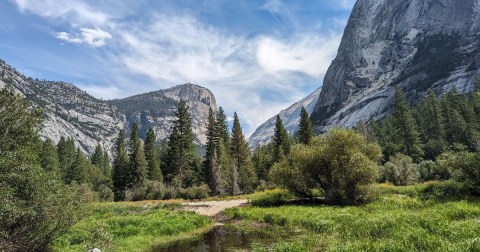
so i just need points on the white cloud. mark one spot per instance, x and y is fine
(256, 76)
(306, 53)
(75, 12)
(92, 37)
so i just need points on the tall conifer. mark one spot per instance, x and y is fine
(152, 156)
(305, 129)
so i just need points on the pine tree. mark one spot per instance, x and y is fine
(152, 156)
(107, 170)
(66, 154)
(78, 171)
(212, 172)
(137, 169)
(405, 126)
(241, 161)
(97, 157)
(281, 142)
(49, 158)
(181, 148)
(222, 127)
(120, 168)
(305, 129)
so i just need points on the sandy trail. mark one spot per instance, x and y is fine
(212, 208)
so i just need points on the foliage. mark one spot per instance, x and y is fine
(400, 170)
(181, 148)
(281, 141)
(305, 128)
(120, 168)
(137, 164)
(152, 156)
(241, 163)
(36, 207)
(341, 163)
(270, 197)
(131, 227)
(394, 222)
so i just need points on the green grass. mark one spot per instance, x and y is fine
(132, 227)
(399, 220)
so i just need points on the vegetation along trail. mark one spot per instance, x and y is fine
(212, 208)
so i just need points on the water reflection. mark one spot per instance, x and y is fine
(221, 238)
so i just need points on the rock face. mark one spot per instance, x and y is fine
(157, 110)
(71, 112)
(411, 44)
(290, 117)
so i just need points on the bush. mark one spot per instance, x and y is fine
(464, 167)
(195, 192)
(155, 190)
(427, 170)
(270, 197)
(400, 170)
(342, 164)
(105, 194)
(444, 190)
(85, 192)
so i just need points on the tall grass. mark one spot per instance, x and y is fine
(131, 227)
(399, 220)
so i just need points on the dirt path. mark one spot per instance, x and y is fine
(212, 208)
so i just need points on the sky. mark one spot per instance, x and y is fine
(257, 56)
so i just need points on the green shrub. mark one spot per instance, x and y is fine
(105, 194)
(464, 168)
(270, 197)
(155, 190)
(444, 190)
(195, 192)
(400, 170)
(341, 163)
(427, 170)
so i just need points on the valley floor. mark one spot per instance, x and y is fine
(401, 219)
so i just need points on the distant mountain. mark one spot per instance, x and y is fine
(71, 112)
(411, 44)
(290, 117)
(157, 109)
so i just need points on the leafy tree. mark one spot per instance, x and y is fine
(120, 168)
(400, 170)
(242, 171)
(49, 157)
(181, 148)
(36, 206)
(152, 156)
(405, 127)
(281, 142)
(342, 164)
(305, 129)
(137, 168)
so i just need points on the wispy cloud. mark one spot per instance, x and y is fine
(92, 37)
(256, 76)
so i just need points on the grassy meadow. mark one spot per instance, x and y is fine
(132, 226)
(401, 219)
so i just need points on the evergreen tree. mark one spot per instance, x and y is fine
(152, 156)
(223, 150)
(181, 148)
(222, 127)
(36, 207)
(66, 154)
(120, 168)
(106, 165)
(78, 171)
(137, 169)
(97, 157)
(305, 130)
(263, 160)
(281, 142)
(242, 171)
(212, 172)
(49, 157)
(405, 127)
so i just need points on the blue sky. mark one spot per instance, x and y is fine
(257, 57)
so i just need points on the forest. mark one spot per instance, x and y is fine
(46, 186)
